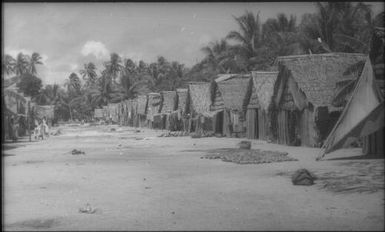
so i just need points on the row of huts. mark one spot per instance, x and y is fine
(20, 109)
(297, 104)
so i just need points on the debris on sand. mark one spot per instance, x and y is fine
(112, 129)
(195, 135)
(37, 224)
(77, 152)
(87, 209)
(303, 177)
(359, 178)
(57, 132)
(245, 156)
(147, 187)
(173, 134)
(202, 135)
(245, 145)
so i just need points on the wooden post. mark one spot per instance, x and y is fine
(28, 120)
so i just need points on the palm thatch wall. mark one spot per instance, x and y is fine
(182, 99)
(169, 100)
(98, 113)
(258, 120)
(263, 89)
(233, 92)
(142, 104)
(217, 99)
(153, 105)
(200, 98)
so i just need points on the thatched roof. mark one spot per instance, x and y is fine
(263, 89)
(227, 76)
(317, 75)
(217, 101)
(182, 98)
(199, 93)
(11, 81)
(44, 111)
(141, 104)
(154, 103)
(168, 101)
(233, 92)
(224, 77)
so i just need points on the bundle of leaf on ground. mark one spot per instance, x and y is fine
(245, 156)
(174, 134)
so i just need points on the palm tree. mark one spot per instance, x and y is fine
(8, 65)
(280, 35)
(216, 53)
(89, 74)
(73, 85)
(341, 26)
(113, 67)
(176, 73)
(250, 53)
(21, 64)
(33, 61)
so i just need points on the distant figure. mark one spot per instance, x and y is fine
(36, 130)
(13, 129)
(45, 127)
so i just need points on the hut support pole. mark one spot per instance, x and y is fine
(28, 121)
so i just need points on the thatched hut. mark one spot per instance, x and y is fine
(198, 102)
(16, 107)
(154, 118)
(141, 110)
(373, 144)
(105, 112)
(228, 103)
(303, 96)
(258, 122)
(167, 110)
(98, 113)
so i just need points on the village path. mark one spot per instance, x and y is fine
(138, 181)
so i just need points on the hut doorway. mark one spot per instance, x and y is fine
(252, 128)
(288, 127)
(219, 123)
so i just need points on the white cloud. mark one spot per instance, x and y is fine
(15, 52)
(74, 67)
(96, 48)
(204, 39)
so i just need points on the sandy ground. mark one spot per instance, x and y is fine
(138, 181)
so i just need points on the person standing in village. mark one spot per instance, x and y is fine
(45, 126)
(36, 130)
(12, 129)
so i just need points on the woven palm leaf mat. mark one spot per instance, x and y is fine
(245, 156)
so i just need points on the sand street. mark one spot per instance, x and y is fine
(138, 181)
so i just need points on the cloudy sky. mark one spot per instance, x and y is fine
(67, 35)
